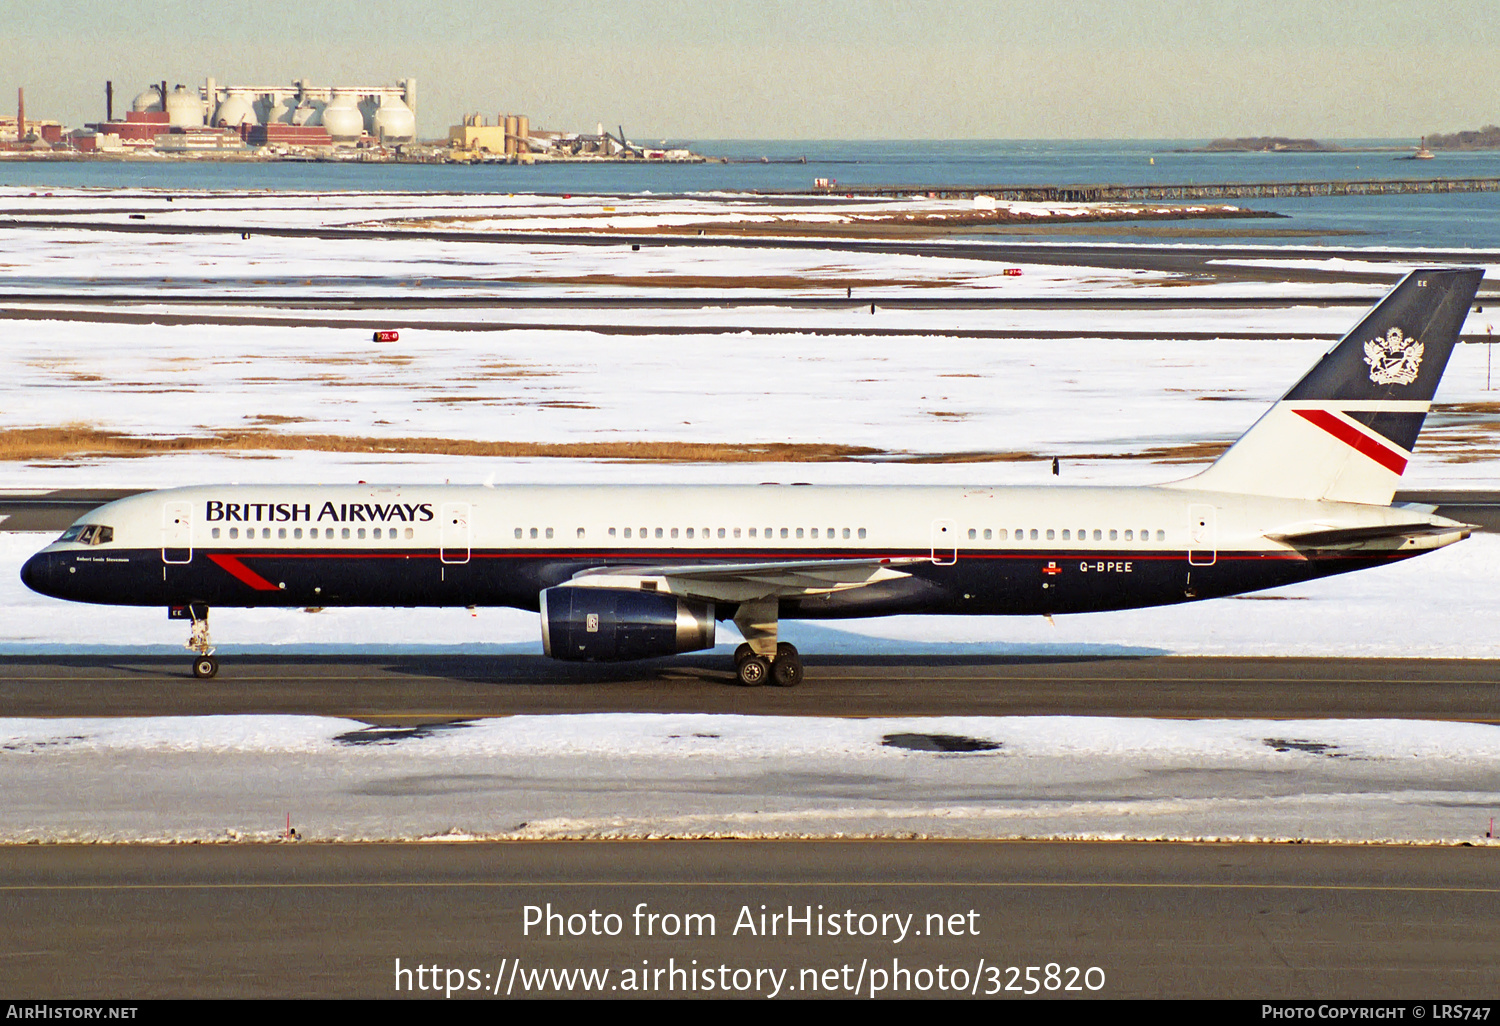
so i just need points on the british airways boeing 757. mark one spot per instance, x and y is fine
(635, 572)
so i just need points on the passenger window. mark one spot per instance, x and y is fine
(1161, 535)
(1033, 534)
(216, 532)
(973, 534)
(1051, 534)
(752, 532)
(281, 532)
(1020, 534)
(408, 532)
(846, 532)
(674, 533)
(533, 532)
(1130, 535)
(1002, 534)
(234, 532)
(313, 533)
(361, 534)
(1114, 535)
(1098, 534)
(861, 532)
(580, 532)
(814, 532)
(518, 533)
(612, 531)
(627, 532)
(1067, 535)
(783, 532)
(987, 534)
(737, 532)
(549, 532)
(721, 532)
(265, 532)
(297, 533)
(345, 533)
(689, 532)
(799, 533)
(658, 532)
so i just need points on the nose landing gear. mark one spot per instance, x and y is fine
(204, 665)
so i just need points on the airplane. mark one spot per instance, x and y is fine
(636, 572)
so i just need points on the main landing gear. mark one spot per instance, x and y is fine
(762, 659)
(204, 664)
(785, 670)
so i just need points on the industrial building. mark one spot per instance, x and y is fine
(215, 117)
(21, 133)
(511, 138)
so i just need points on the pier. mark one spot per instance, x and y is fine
(1185, 191)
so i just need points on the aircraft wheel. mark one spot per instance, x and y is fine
(786, 672)
(205, 667)
(754, 671)
(742, 653)
(785, 649)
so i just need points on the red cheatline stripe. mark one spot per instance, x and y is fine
(1355, 439)
(242, 572)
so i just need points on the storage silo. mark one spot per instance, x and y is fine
(394, 121)
(148, 100)
(184, 109)
(237, 109)
(510, 133)
(342, 118)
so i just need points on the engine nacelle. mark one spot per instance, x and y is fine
(610, 625)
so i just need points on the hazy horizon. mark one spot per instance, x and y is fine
(768, 70)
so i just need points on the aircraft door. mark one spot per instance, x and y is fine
(177, 532)
(454, 530)
(944, 542)
(1202, 536)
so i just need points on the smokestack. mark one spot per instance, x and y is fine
(20, 114)
(109, 101)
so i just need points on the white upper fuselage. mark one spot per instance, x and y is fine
(680, 521)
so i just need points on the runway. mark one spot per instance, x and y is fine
(325, 920)
(421, 689)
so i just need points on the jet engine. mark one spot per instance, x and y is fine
(613, 625)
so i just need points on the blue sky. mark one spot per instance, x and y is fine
(806, 69)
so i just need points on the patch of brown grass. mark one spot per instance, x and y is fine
(73, 442)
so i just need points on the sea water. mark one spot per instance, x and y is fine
(1412, 220)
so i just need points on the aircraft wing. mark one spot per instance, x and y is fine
(745, 582)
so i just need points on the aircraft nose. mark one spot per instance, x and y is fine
(36, 573)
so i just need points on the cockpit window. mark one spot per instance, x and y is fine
(88, 534)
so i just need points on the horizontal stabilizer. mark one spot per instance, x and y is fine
(1361, 535)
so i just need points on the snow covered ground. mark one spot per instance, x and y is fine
(488, 212)
(624, 775)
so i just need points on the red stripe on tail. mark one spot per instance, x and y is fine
(1355, 439)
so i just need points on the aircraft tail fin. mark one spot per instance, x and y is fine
(1345, 431)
